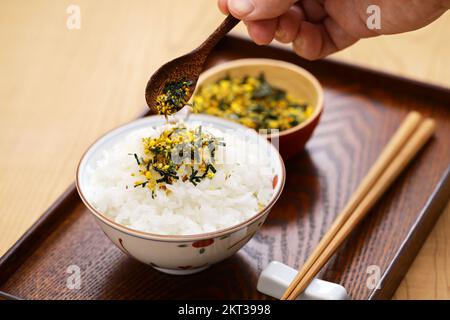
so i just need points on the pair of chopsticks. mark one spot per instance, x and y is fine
(400, 150)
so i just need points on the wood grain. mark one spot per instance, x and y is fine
(406, 142)
(319, 182)
(60, 89)
(188, 66)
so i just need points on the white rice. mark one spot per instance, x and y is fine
(239, 189)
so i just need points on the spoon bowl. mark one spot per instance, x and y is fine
(187, 67)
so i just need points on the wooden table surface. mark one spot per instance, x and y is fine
(61, 88)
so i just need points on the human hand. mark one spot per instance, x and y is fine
(317, 28)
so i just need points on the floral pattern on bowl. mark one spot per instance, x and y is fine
(180, 254)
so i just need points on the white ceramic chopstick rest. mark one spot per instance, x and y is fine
(277, 276)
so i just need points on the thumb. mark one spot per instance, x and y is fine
(251, 10)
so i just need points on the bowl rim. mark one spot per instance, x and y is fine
(176, 238)
(233, 64)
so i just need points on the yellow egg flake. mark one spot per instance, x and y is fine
(151, 184)
(248, 123)
(174, 97)
(157, 169)
(248, 87)
(253, 102)
(140, 183)
(236, 107)
(273, 124)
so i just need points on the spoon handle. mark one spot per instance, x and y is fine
(229, 23)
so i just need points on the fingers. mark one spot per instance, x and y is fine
(337, 36)
(306, 23)
(253, 10)
(289, 24)
(223, 6)
(262, 32)
(314, 10)
(309, 41)
(261, 17)
(315, 41)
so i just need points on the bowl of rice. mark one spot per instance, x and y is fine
(180, 196)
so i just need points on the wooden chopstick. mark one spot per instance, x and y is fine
(406, 154)
(407, 128)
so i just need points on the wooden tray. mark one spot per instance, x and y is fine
(362, 110)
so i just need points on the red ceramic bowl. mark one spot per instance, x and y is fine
(295, 80)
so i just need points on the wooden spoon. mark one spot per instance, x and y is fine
(186, 67)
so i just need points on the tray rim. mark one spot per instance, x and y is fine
(433, 207)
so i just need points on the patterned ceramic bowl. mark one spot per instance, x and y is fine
(178, 254)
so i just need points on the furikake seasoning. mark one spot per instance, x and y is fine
(178, 154)
(253, 102)
(174, 97)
